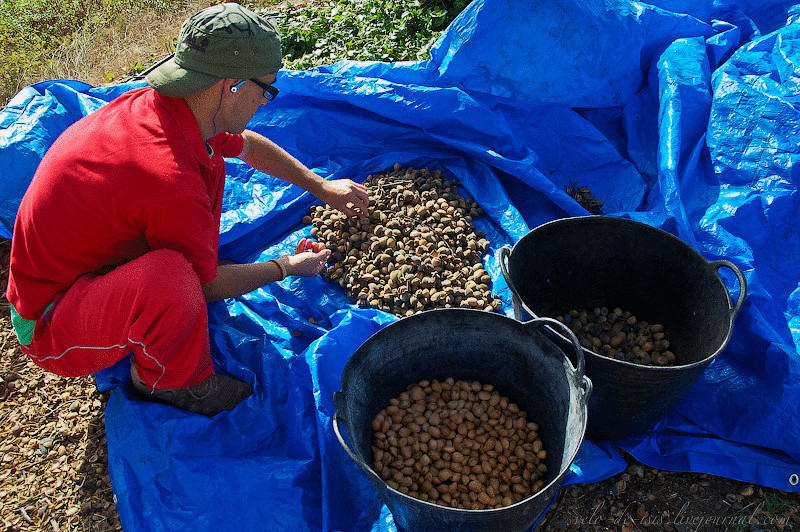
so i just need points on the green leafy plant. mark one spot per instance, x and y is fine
(29, 29)
(317, 33)
(775, 503)
(380, 30)
(134, 69)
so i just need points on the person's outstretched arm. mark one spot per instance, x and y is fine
(264, 155)
(234, 280)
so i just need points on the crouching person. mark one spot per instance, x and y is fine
(115, 242)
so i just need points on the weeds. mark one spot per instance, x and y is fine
(28, 30)
(381, 30)
(775, 503)
(101, 41)
(43, 39)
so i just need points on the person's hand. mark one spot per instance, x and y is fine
(347, 196)
(308, 259)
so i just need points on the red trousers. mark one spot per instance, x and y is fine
(152, 306)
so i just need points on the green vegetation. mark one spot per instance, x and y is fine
(86, 35)
(380, 30)
(31, 28)
(775, 503)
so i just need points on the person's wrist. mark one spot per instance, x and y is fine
(284, 261)
(320, 188)
(282, 273)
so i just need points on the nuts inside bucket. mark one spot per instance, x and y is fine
(417, 250)
(458, 444)
(620, 335)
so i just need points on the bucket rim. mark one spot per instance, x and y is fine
(587, 354)
(357, 354)
(556, 481)
(578, 370)
(577, 379)
(613, 219)
(733, 307)
(378, 481)
(657, 369)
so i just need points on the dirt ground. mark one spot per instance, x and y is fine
(54, 474)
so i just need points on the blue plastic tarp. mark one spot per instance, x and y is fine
(683, 115)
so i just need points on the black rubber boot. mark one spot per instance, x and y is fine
(208, 397)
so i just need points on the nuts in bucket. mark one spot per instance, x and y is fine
(620, 335)
(417, 250)
(458, 444)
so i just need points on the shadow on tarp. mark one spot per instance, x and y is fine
(681, 115)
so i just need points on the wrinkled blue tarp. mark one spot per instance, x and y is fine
(681, 114)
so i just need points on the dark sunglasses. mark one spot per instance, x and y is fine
(269, 91)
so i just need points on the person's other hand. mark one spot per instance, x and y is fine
(347, 196)
(308, 259)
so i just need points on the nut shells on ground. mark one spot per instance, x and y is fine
(54, 472)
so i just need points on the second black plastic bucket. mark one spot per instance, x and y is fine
(519, 359)
(596, 261)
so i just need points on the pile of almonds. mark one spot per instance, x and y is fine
(620, 335)
(417, 250)
(458, 444)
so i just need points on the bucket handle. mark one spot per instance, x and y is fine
(580, 370)
(742, 284)
(502, 255)
(338, 401)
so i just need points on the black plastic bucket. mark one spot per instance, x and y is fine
(597, 261)
(519, 359)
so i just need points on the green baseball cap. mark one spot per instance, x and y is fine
(221, 41)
